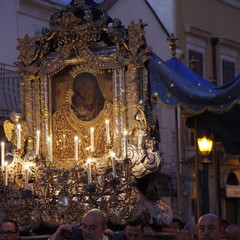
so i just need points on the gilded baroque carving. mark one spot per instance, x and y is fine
(84, 96)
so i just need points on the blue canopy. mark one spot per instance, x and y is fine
(173, 85)
(212, 110)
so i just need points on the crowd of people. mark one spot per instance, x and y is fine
(94, 227)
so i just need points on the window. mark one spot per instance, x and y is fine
(228, 63)
(228, 71)
(196, 47)
(199, 61)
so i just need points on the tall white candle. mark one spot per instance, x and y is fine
(2, 154)
(113, 164)
(89, 171)
(76, 148)
(19, 130)
(5, 174)
(125, 144)
(26, 176)
(107, 131)
(49, 145)
(37, 142)
(139, 140)
(92, 138)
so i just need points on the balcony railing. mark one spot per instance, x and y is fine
(9, 90)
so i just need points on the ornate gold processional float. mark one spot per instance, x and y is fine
(84, 135)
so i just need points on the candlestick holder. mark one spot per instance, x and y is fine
(91, 187)
(115, 181)
(27, 193)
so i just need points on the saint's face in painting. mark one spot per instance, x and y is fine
(87, 101)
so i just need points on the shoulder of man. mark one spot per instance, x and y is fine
(119, 236)
(76, 234)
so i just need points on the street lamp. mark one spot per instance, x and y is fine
(205, 147)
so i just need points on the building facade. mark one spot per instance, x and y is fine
(204, 31)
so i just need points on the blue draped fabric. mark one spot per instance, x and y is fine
(183, 70)
(173, 85)
(213, 111)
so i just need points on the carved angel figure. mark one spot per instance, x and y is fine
(145, 158)
(10, 129)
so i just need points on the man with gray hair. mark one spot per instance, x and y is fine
(94, 223)
(232, 232)
(209, 227)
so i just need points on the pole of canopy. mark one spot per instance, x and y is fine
(172, 45)
(216, 167)
(193, 66)
(178, 162)
(196, 171)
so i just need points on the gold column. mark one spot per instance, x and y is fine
(119, 109)
(132, 95)
(44, 97)
(28, 111)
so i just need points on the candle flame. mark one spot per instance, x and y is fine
(112, 154)
(89, 160)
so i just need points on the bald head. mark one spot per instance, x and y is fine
(232, 232)
(93, 225)
(184, 235)
(209, 227)
(96, 213)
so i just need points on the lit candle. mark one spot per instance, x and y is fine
(26, 176)
(64, 141)
(49, 145)
(89, 174)
(37, 142)
(125, 144)
(76, 148)
(107, 131)
(113, 164)
(5, 174)
(2, 154)
(139, 140)
(92, 138)
(19, 130)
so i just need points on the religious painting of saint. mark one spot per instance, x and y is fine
(87, 104)
(87, 101)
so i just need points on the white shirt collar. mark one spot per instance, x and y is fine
(105, 237)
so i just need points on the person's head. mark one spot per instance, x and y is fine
(9, 230)
(177, 224)
(232, 232)
(134, 229)
(192, 227)
(86, 85)
(93, 224)
(184, 234)
(209, 227)
(87, 93)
